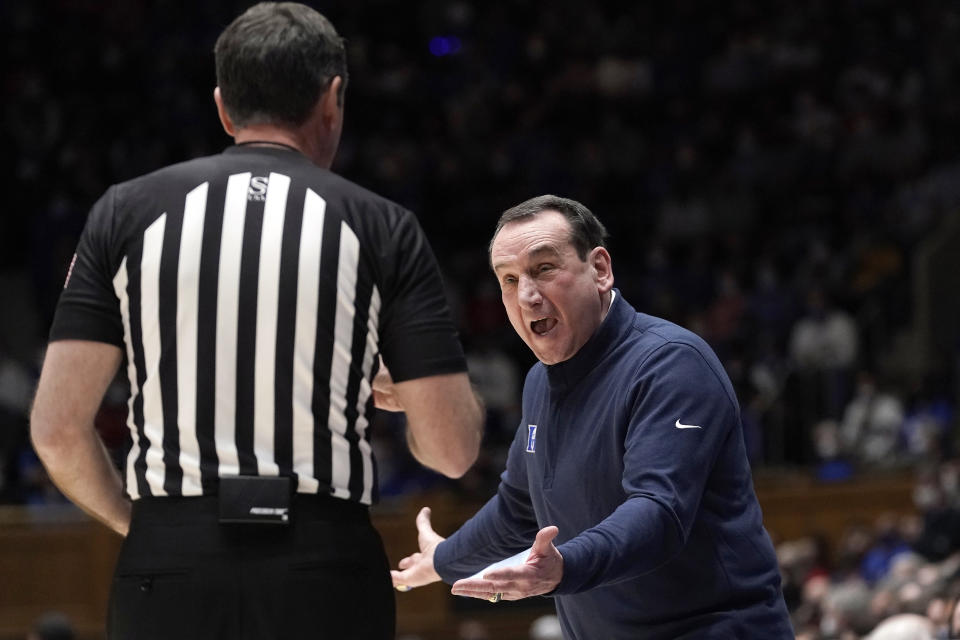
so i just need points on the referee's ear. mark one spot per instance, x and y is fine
(331, 105)
(222, 112)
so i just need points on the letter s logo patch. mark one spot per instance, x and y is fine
(258, 188)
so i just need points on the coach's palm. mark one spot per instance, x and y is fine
(417, 569)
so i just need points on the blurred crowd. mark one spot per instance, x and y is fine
(895, 579)
(768, 173)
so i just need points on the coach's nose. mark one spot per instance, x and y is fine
(528, 293)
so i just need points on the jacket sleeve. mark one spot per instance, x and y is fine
(680, 410)
(505, 525)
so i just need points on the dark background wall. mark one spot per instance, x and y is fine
(782, 178)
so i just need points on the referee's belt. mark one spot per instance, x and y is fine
(250, 500)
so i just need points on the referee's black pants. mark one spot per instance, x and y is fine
(181, 575)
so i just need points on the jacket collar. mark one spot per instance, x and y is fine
(609, 334)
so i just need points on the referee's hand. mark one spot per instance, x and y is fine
(417, 569)
(541, 573)
(384, 393)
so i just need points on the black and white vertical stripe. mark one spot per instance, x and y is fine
(251, 332)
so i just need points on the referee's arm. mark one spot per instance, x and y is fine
(444, 418)
(75, 376)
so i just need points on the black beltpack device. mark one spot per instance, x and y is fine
(254, 500)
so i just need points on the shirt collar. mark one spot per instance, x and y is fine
(276, 152)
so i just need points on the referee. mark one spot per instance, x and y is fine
(255, 298)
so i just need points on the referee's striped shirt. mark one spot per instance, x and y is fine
(251, 292)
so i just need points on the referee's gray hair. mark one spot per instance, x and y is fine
(586, 231)
(275, 60)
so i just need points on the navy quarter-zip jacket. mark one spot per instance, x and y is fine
(634, 449)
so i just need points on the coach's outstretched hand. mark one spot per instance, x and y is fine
(540, 574)
(417, 569)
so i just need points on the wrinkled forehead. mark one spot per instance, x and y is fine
(547, 251)
(538, 236)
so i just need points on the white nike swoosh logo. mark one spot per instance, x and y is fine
(679, 425)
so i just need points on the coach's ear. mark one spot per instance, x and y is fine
(601, 264)
(224, 116)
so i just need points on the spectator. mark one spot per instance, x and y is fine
(825, 338)
(872, 422)
(906, 626)
(52, 625)
(546, 628)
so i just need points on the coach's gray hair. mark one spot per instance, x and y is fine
(586, 231)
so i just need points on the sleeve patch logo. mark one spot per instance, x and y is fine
(531, 438)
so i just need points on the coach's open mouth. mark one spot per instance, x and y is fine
(543, 325)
